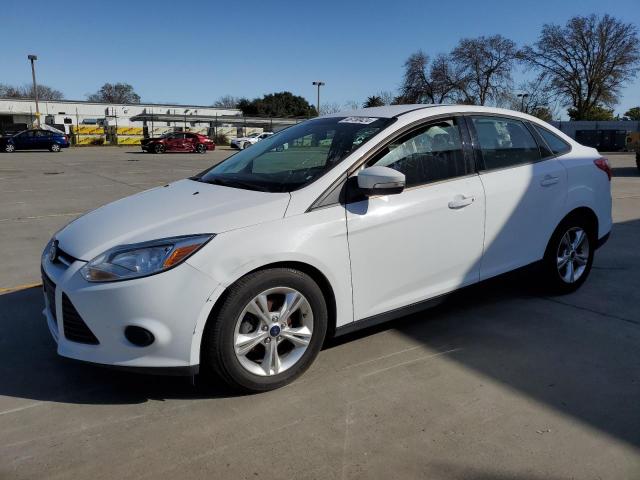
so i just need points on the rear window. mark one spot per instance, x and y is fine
(555, 143)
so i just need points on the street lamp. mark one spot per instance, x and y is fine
(522, 96)
(185, 118)
(32, 59)
(319, 84)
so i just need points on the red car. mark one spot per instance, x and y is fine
(178, 142)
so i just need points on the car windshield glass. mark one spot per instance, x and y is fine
(296, 156)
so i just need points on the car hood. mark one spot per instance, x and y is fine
(181, 208)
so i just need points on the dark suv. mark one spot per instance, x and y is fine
(34, 139)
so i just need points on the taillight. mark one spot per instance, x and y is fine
(603, 164)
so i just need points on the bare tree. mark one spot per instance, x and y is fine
(485, 64)
(587, 61)
(226, 101)
(414, 83)
(351, 105)
(115, 93)
(386, 96)
(447, 82)
(534, 96)
(328, 108)
(26, 91)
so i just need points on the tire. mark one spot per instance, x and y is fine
(201, 148)
(246, 145)
(158, 148)
(566, 253)
(244, 364)
(54, 148)
(9, 148)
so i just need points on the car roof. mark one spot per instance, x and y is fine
(391, 111)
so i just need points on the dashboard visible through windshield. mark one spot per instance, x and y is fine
(296, 156)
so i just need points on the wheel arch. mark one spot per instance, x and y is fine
(316, 275)
(584, 213)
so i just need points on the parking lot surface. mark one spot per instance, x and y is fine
(500, 382)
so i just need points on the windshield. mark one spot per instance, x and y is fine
(296, 156)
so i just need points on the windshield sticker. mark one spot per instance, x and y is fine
(360, 120)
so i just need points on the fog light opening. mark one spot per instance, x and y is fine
(140, 337)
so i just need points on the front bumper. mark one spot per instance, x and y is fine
(171, 305)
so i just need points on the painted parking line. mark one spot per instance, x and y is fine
(17, 288)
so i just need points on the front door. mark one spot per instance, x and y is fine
(427, 240)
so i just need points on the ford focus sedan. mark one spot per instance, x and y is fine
(331, 225)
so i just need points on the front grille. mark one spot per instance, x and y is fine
(74, 327)
(50, 291)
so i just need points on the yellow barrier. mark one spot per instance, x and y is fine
(129, 131)
(129, 140)
(89, 139)
(87, 129)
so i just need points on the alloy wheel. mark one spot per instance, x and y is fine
(9, 147)
(273, 331)
(573, 255)
(55, 147)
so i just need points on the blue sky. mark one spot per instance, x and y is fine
(194, 52)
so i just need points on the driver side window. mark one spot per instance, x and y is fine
(429, 154)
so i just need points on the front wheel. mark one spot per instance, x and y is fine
(246, 145)
(158, 148)
(9, 148)
(54, 147)
(267, 331)
(569, 256)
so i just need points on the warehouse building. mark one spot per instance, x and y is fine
(92, 123)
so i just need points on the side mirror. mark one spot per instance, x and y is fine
(380, 181)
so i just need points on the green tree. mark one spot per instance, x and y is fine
(115, 93)
(373, 101)
(633, 113)
(597, 112)
(279, 104)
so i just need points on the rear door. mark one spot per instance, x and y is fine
(525, 193)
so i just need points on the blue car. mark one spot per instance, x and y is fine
(34, 139)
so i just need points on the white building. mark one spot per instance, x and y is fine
(66, 113)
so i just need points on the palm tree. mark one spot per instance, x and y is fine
(373, 101)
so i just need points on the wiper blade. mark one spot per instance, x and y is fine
(228, 182)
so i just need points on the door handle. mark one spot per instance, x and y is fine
(549, 180)
(460, 201)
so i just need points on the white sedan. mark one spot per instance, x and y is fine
(332, 225)
(245, 142)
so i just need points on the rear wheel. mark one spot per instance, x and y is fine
(9, 148)
(267, 331)
(569, 256)
(201, 148)
(54, 147)
(158, 148)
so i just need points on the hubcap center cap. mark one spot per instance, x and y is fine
(274, 331)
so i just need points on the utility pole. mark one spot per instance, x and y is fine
(32, 59)
(318, 84)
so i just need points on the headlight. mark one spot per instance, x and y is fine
(142, 259)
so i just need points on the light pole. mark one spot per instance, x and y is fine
(522, 96)
(32, 59)
(318, 84)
